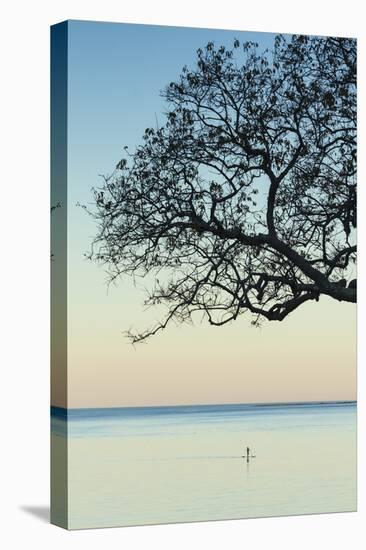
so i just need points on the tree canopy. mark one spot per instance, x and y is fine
(244, 200)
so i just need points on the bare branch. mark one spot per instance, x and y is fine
(245, 199)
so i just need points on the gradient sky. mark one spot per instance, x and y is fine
(116, 72)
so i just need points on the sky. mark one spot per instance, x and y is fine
(115, 75)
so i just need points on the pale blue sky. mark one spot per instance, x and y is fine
(115, 75)
(116, 72)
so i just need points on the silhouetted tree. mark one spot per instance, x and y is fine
(245, 199)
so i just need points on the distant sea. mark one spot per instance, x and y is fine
(148, 465)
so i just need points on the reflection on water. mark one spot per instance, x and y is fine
(173, 464)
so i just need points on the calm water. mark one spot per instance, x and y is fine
(173, 464)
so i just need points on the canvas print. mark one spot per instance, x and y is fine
(203, 258)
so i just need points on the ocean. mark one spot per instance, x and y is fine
(149, 465)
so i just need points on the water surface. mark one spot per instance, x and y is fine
(146, 465)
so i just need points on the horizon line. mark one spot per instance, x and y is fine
(265, 403)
